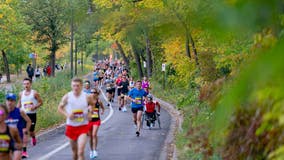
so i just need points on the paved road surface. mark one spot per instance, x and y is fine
(117, 140)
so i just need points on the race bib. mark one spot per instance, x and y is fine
(78, 115)
(138, 100)
(95, 113)
(28, 105)
(4, 143)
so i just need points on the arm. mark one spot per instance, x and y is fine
(61, 107)
(27, 119)
(39, 100)
(19, 101)
(102, 107)
(16, 138)
(159, 106)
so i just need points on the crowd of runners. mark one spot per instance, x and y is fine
(82, 108)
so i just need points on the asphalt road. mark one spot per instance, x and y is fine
(117, 140)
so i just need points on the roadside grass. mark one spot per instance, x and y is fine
(51, 90)
(192, 142)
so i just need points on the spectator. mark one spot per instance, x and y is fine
(30, 71)
(48, 70)
(37, 73)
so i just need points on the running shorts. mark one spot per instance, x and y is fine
(135, 110)
(32, 116)
(95, 123)
(73, 132)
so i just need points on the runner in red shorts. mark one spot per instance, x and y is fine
(74, 106)
(94, 110)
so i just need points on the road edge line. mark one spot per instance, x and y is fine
(67, 143)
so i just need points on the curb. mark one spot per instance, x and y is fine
(169, 151)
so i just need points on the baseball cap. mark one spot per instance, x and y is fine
(11, 96)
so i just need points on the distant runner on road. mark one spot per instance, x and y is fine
(29, 101)
(74, 106)
(137, 95)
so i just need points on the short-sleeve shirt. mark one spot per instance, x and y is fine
(138, 96)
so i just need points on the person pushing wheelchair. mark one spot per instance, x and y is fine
(150, 111)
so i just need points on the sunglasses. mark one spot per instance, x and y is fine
(94, 92)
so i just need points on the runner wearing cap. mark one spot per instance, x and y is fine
(17, 118)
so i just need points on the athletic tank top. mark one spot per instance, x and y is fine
(15, 120)
(5, 141)
(78, 106)
(96, 112)
(28, 101)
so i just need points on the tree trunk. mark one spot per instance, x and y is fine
(137, 60)
(76, 59)
(6, 66)
(121, 51)
(82, 61)
(52, 62)
(187, 40)
(148, 57)
(194, 49)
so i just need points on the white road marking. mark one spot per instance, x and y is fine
(46, 156)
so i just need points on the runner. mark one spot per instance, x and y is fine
(29, 101)
(123, 86)
(146, 84)
(96, 77)
(74, 106)
(94, 109)
(131, 83)
(9, 136)
(109, 89)
(117, 81)
(87, 87)
(136, 95)
(17, 119)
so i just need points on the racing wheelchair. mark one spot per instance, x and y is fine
(150, 120)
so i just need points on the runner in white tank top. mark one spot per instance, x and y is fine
(74, 106)
(79, 107)
(29, 101)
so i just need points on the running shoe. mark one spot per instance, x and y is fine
(95, 154)
(91, 155)
(33, 142)
(119, 109)
(137, 133)
(25, 155)
(124, 109)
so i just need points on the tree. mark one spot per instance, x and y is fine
(48, 21)
(13, 33)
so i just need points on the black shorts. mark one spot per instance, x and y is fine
(135, 110)
(118, 92)
(109, 91)
(122, 95)
(32, 116)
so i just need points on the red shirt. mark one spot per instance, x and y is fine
(150, 106)
(117, 81)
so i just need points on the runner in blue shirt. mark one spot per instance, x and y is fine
(137, 95)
